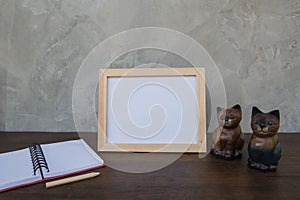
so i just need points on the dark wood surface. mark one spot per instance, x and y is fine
(187, 178)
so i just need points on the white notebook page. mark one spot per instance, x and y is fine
(17, 169)
(69, 157)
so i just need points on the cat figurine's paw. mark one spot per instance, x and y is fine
(238, 154)
(228, 155)
(217, 153)
(256, 165)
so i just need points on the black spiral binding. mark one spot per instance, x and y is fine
(38, 159)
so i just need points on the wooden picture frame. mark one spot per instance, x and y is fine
(110, 139)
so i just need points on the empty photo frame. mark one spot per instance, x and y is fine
(152, 110)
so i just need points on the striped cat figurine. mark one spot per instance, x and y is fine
(264, 149)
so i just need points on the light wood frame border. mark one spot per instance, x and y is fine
(104, 74)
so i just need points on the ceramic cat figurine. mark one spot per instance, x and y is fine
(227, 137)
(264, 149)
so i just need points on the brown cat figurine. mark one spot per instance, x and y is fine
(264, 149)
(228, 137)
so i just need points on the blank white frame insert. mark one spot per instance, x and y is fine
(152, 110)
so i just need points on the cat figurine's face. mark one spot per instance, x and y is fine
(230, 117)
(265, 124)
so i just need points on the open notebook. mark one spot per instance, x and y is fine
(39, 163)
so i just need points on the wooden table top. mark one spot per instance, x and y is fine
(187, 178)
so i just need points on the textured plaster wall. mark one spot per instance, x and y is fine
(255, 44)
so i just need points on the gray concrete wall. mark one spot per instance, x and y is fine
(2, 98)
(255, 44)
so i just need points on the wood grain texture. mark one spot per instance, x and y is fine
(187, 178)
(102, 102)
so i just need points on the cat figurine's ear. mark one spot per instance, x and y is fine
(275, 113)
(255, 111)
(237, 107)
(219, 109)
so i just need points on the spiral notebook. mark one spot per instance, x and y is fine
(39, 163)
